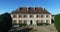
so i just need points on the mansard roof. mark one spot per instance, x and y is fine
(30, 10)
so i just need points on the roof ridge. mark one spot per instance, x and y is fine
(34, 10)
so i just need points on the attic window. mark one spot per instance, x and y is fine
(29, 8)
(35, 8)
(20, 8)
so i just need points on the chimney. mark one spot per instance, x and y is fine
(27, 8)
(43, 7)
(34, 8)
(18, 9)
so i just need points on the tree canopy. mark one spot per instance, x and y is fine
(5, 22)
(57, 22)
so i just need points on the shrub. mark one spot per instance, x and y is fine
(5, 22)
(46, 23)
(14, 24)
(22, 25)
(57, 22)
(39, 24)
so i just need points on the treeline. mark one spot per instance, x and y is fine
(57, 22)
(5, 22)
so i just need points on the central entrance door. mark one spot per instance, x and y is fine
(30, 22)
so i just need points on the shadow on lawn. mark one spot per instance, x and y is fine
(23, 30)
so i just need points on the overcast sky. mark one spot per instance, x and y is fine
(53, 6)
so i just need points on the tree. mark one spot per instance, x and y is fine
(0, 23)
(57, 22)
(6, 22)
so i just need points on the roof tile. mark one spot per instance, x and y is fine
(30, 10)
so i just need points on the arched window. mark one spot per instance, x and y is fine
(25, 21)
(20, 21)
(47, 21)
(42, 21)
(38, 21)
(14, 22)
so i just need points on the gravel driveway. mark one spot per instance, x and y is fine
(49, 28)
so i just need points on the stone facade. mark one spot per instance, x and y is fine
(31, 19)
(34, 19)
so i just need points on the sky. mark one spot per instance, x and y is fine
(52, 6)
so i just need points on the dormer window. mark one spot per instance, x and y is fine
(35, 8)
(29, 8)
(20, 8)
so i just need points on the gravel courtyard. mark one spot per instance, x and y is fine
(49, 28)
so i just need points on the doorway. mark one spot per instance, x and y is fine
(30, 22)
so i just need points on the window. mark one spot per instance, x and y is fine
(47, 21)
(31, 16)
(25, 16)
(42, 16)
(37, 16)
(38, 21)
(20, 21)
(14, 16)
(20, 16)
(14, 22)
(42, 21)
(47, 16)
(25, 21)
